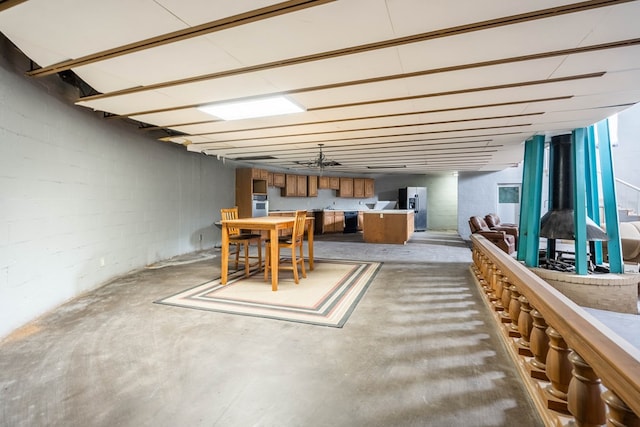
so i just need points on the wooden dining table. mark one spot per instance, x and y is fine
(272, 224)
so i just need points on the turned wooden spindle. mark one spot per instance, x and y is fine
(485, 266)
(474, 258)
(514, 312)
(584, 395)
(500, 284)
(539, 346)
(620, 415)
(558, 371)
(488, 278)
(496, 274)
(525, 325)
(506, 300)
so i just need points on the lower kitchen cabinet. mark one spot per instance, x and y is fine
(332, 221)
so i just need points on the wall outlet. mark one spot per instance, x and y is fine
(102, 262)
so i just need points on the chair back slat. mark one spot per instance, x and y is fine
(230, 213)
(298, 227)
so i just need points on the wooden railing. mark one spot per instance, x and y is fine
(576, 369)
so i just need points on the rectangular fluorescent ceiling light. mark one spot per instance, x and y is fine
(252, 108)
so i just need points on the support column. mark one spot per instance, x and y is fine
(531, 201)
(593, 195)
(614, 249)
(579, 200)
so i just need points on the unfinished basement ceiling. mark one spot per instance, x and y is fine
(393, 86)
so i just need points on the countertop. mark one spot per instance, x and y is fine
(390, 211)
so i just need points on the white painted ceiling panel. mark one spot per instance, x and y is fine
(71, 26)
(318, 54)
(165, 63)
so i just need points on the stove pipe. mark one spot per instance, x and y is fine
(558, 223)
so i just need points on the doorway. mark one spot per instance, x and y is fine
(509, 203)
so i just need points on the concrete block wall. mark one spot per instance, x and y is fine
(478, 194)
(83, 199)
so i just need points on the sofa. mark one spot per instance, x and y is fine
(494, 223)
(500, 238)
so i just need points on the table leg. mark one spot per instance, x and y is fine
(224, 260)
(310, 244)
(275, 258)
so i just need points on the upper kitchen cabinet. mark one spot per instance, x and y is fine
(312, 186)
(259, 174)
(295, 186)
(369, 187)
(323, 183)
(334, 183)
(278, 180)
(346, 187)
(358, 187)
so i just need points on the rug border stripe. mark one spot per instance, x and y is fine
(349, 294)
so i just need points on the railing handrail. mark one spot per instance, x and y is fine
(628, 184)
(614, 360)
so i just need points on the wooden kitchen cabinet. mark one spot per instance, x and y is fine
(295, 186)
(369, 189)
(247, 186)
(332, 221)
(338, 221)
(358, 187)
(334, 183)
(301, 186)
(278, 180)
(346, 187)
(323, 183)
(360, 220)
(290, 186)
(259, 174)
(312, 186)
(388, 226)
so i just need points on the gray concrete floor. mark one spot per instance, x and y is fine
(419, 350)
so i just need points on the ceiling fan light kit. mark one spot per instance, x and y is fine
(321, 161)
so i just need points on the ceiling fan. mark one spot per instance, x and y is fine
(320, 162)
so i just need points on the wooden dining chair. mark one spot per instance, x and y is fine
(292, 242)
(242, 240)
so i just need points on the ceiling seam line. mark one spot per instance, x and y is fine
(316, 57)
(459, 91)
(440, 110)
(443, 122)
(184, 34)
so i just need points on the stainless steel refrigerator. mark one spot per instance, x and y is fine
(415, 198)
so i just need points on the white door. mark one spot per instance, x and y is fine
(509, 203)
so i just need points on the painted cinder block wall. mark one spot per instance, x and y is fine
(83, 199)
(478, 194)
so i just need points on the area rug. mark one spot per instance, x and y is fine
(326, 297)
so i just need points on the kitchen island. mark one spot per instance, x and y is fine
(388, 226)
